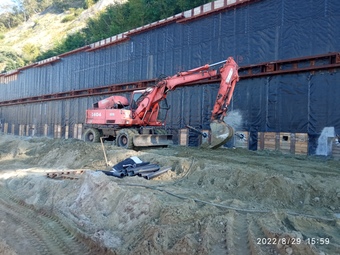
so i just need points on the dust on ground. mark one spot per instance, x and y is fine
(224, 201)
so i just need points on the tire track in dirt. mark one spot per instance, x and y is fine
(237, 234)
(44, 233)
(255, 235)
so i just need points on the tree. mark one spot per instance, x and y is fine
(30, 52)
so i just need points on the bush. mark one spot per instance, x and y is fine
(68, 18)
(89, 3)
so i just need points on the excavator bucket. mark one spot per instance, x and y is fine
(220, 134)
(152, 140)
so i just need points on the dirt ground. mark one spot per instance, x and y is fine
(224, 201)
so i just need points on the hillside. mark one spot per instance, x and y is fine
(43, 30)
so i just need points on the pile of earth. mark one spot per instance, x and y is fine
(224, 201)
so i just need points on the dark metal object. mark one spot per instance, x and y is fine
(158, 173)
(143, 169)
(329, 61)
(114, 173)
(205, 135)
(111, 89)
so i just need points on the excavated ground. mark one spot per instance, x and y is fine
(224, 201)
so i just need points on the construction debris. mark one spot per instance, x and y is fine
(134, 166)
(65, 175)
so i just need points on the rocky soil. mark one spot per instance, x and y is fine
(224, 201)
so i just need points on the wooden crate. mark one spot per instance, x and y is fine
(241, 139)
(267, 141)
(300, 142)
(270, 141)
(295, 143)
(183, 137)
(285, 143)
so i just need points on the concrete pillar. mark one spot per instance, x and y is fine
(46, 130)
(75, 130)
(80, 131)
(33, 130)
(66, 131)
(58, 131)
(6, 128)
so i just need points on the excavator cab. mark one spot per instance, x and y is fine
(163, 110)
(134, 98)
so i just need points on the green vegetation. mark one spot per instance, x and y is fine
(10, 61)
(119, 18)
(73, 14)
(89, 3)
(30, 52)
(116, 19)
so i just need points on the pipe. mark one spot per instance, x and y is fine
(148, 168)
(144, 174)
(218, 63)
(129, 167)
(113, 173)
(204, 134)
(158, 173)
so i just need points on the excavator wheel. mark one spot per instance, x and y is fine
(125, 138)
(221, 133)
(92, 135)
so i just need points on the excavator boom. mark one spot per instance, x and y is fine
(140, 122)
(221, 132)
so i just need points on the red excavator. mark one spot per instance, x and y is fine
(140, 122)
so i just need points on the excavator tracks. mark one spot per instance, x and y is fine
(38, 232)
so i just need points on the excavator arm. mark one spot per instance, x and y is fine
(148, 104)
(229, 77)
(221, 132)
(148, 107)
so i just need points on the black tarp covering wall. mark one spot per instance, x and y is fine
(266, 30)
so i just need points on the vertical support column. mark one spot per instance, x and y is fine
(46, 130)
(80, 131)
(6, 128)
(55, 131)
(58, 131)
(66, 131)
(21, 130)
(13, 129)
(75, 131)
(183, 137)
(33, 130)
(27, 130)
